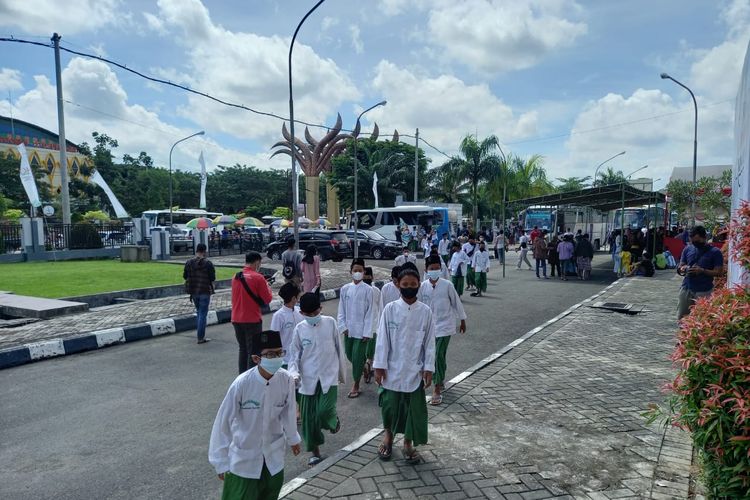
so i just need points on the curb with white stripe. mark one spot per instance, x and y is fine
(362, 440)
(46, 349)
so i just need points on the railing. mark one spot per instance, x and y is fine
(11, 238)
(235, 243)
(74, 236)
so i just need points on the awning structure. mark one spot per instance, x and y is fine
(602, 198)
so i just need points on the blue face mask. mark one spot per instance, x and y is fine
(434, 275)
(271, 365)
(312, 320)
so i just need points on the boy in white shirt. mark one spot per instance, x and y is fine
(447, 309)
(377, 305)
(404, 363)
(481, 265)
(390, 291)
(355, 320)
(316, 361)
(444, 248)
(405, 257)
(255, 423)
(458, 264)
(285, 319)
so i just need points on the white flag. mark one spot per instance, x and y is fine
(27, 178)
(97, 179)
(741, 169)
(375, 187)
(204, 179)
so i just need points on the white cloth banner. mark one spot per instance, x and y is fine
(375, 187)
(97, 179)
(204, 179)
(27, 178)
(741, 167)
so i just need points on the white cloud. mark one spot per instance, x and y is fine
(444, 108)
(10, 79)
(47, 16)
(260, 81)
(154, 23)
(494, 36)
(357, 44)
(101, 104)
(328, 23)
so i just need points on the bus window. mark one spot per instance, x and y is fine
(366, 220)
(387, 219)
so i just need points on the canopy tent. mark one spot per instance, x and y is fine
(602, 198)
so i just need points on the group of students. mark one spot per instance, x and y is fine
(398, 335)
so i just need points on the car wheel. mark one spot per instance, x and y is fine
(377, 253)
(275, 255)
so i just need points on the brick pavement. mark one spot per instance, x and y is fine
(557, 416)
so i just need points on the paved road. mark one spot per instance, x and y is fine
(133, 421)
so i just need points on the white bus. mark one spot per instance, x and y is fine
(180, 217)
(385, 220)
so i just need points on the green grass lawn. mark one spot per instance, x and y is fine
(73, 278)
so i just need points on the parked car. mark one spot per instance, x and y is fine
(113, 238)
(374, 244)
(332, 245)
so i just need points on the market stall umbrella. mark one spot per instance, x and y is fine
(250, 222)
(225, 219)
(324, 222)
(200, 223)
(285, 223)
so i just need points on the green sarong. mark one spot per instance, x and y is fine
(481, 282)
(446, 259)
(441, 349)
(242, 488)
(370, 350)
(470, 280)
(405, 413)
(318, 413)
(356, 352)
(458, 284)
(296, 393)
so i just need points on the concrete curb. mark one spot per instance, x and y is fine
(303, 478)
(53, 348)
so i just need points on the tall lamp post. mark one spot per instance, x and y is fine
(170, 178)
(635, 171)
(665, 76)
(596, 172)
(295, 181)
(356, 185)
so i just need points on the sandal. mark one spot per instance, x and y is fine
(411, 455)
(368, 371)
(436, 399)
(338, 426)
(314, 461)
(354, 394)
(385, 451)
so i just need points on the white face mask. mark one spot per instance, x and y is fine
(358, 276)
(434, 275)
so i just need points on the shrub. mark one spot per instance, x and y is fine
(96, 216)
(85, 235)
(13, 215)
(710, 396)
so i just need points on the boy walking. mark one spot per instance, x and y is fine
(481, 265)
(404, 363)
(457, 267)
(377, 308)
(390, 291)
(355, 320)
(199, 275)
(446, 307)
(254, 425)
(285, 319)
(316, 361)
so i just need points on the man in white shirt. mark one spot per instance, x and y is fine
(499, 244)
(405, 257)
(457, 267)
(287, 317)
(444, 248)
(316, 361)
(481, 265)
(446, 307)
(404, 363)
(523, 246)
(355, 321)
(469, 248)
(255, 423)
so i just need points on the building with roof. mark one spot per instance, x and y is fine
(43, 148)
(686, 173)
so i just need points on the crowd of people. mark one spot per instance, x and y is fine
(287, 388)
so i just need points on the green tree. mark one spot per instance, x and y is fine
(609, 176)
(393, 163)
(572, 183)
(529, 178)
(447, 185)
(284, 212)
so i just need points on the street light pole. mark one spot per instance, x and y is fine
(635, 171)
(596, 172)
(170, 178)
(665, 76)
(292, 147)
(356, 185)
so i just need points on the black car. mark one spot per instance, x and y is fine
(333, 245)
(375, 245)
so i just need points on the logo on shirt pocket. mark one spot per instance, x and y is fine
(250, 404)
(306, 342)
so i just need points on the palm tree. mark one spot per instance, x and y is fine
(609, 176)
(447, 186)
(477, 165)
(572, 183)
(529, 178)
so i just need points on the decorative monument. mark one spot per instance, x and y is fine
(314, 158)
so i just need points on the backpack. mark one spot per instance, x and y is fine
(289, 268)
(661, 261)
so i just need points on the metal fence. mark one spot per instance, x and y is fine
(235, 244)
(66, 236)
(10, 238)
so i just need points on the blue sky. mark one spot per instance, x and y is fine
(573, 81)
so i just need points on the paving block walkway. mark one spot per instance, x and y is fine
(556, 416)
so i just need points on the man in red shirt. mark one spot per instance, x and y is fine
(250, 292)
(535, 233)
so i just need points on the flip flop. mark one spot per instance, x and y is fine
(354, 394)
(385, 451)
(314, 461)
(338, 426)
(411, 455)
(435, 401)
(368, 372)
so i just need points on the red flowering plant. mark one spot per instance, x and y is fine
(710, 396)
